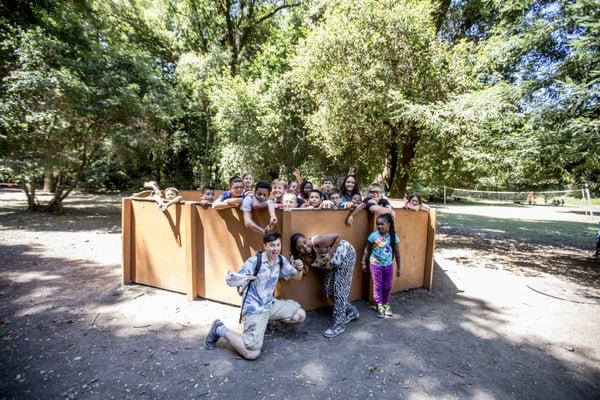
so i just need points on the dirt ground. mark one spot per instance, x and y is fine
(494, 326)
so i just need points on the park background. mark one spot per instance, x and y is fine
(489, 95)
(98, 96)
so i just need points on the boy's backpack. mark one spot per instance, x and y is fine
(256, 270)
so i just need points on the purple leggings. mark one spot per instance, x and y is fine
(382, 283)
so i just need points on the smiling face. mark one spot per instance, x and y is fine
(383, 227)
(414, 201)
(278, 191)
(170, 194)
(356, 199)
(261, 194)
(350, 183)
(237, 189)
(208, 195)
(290, 200)
(307, 188)
(248, 180)
(303, 246)
(374, 193)
(294, 188)
(273, 249)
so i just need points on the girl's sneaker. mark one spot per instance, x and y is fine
(387, 310)
(335, 329)
(380, 312)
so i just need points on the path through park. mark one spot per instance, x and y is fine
(514, 314)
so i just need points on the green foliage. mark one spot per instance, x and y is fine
(485, 94)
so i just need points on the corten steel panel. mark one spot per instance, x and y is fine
(412, 230)
(428, 279)
(226, 244)
(195, 195)
(159, 249)
(127, 245)
(310, 291)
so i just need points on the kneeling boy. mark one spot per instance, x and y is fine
(260, 306)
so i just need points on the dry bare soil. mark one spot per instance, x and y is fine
(513, 314)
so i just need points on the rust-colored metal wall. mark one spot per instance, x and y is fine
(189, 248)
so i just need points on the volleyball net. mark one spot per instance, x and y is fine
(579, 198)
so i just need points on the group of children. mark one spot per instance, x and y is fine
(383, 244)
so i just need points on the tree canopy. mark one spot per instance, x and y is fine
(491, 95)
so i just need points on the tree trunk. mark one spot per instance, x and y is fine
(399, 158)
(29, 190)
(49, 181)
(55, 205)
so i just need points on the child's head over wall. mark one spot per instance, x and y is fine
(335, 197)
(278, 187)
(375, 190)
(248, 180)
(171, 193)
(290, 200)
(262, 191)
(327, 184)
(315, 197)
(236, 186)
(208, 193)
(415, 199)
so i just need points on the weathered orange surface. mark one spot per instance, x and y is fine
(189, 248)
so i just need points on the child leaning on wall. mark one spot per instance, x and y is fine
(171, 195)
(208, 196)
(415, 202)
(373, 203)
(262, 192)
(232, 197)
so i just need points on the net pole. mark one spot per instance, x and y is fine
(444, 194)
(589, 200)
(583, 198)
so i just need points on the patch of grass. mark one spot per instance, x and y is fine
(578, 234)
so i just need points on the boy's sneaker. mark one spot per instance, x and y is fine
(211, 338)
(380, 312)
(334, 330)
(387, 310)
(352, 315)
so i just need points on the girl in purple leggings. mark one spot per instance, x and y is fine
(382, 247)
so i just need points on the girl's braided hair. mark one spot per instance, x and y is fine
(390, 220)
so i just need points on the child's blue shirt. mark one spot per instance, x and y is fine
(381, 254)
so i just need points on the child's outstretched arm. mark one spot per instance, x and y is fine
(379, 210)
(272, 216)
(228, 203)
(249, 223)
(424, 207)
(144, 194)
(366, 255)
(163, 207)
(356, 210)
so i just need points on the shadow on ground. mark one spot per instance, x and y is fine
(67, 330)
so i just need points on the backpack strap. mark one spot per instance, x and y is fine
(256, 270)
